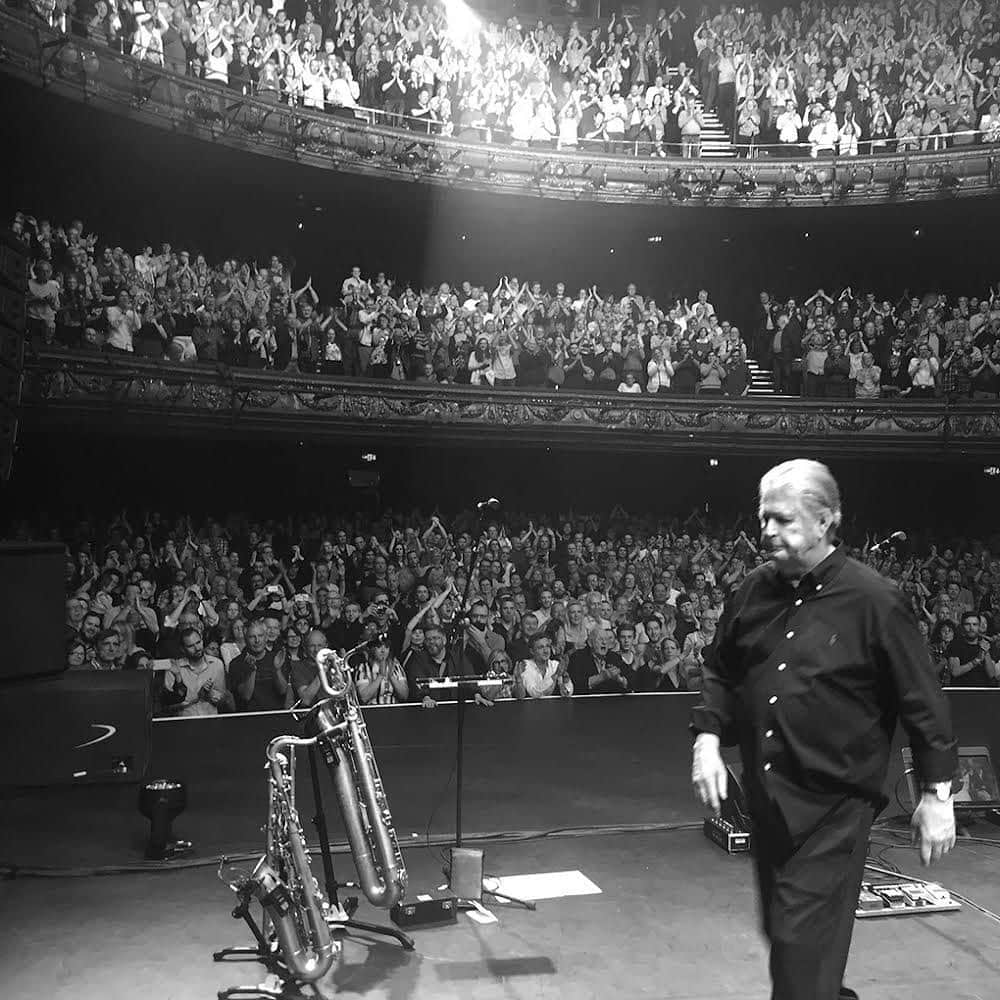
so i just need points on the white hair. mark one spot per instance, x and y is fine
(812, 482)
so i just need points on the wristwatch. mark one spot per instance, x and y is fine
(942, 790)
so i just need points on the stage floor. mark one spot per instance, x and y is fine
(675, 917)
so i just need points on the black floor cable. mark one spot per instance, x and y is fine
(12, 871)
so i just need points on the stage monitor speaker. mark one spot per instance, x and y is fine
(83, 727)
(466, 880)
(32, 609)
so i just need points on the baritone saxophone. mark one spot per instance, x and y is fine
(338, 726)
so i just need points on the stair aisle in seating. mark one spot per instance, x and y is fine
(716, 143)
(762, 382)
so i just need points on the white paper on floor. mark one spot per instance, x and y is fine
(543, 885)
(480, 914)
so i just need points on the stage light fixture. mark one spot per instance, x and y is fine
(708, 185)
(677, 189)
(846, 187)
(466, 171)
(600, 181)
(897, 185)
(746, 184)
(491, 171)
(161, 802)
(434, 162)
(560, 170)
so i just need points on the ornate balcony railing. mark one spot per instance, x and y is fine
(351, 142)
(104, 392)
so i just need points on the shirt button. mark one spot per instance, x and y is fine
(767, 766)
(772, 699)
(768, 734)
(798, 602)
(781, 666)
(790, 633)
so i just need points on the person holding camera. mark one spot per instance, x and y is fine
(958, 366)
(387, 621)
(687, 371)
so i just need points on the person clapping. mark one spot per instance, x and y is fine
(541, 676)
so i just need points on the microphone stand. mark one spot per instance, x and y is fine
(460, 622)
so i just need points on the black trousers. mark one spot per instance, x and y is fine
(808, 890)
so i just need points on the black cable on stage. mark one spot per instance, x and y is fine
(437, 805)
(12, 871)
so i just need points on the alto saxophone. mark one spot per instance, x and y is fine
(338, 726)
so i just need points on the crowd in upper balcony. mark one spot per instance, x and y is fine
(834, 78)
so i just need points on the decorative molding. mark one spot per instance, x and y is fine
(115, 393)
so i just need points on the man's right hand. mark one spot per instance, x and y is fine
(708, 771)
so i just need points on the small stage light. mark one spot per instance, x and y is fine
(161, 802)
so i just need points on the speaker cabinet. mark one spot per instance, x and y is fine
(83, 727)
(32, 609)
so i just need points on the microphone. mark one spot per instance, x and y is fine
(490, 511)
(896, 536)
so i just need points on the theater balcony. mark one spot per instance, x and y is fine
(102, 393)
(360, 141)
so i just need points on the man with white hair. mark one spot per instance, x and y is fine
(815, 658)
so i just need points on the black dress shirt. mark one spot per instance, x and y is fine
(810, 681)
(583, 665)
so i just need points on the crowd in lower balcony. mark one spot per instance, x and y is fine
(579, 603)
(853, 345)
(836, 80)
(172, 304)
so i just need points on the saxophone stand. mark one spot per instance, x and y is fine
(280, 985)
(330, 879)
